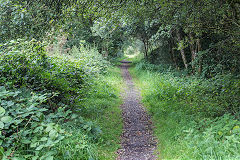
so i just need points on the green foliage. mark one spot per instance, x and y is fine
(36, 94)
(196, 118)
(206, 32)
(201, 36)
(84, 56)
(28, 19)
(214, 138)
(27, 129)
(102, 106)
(27, 64)
(92, 62)
(76, 146)
(109, 33)
(210, 97)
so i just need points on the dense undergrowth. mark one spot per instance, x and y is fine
(56, 105)
(194, 118)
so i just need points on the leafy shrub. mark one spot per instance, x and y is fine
(81, 142)
(209, 97)
(198, 118)
(27, 129)
(87, 57)
(38, 96)
(151, 67)
(92, 61)
(214, 138)
(26, 64)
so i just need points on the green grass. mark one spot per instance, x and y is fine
(111, 119)
(99, 111)
(102, 107)
(68, 105)
(134, 58)
(188, 123)
(78, 145)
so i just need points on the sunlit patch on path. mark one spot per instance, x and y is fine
(137, 141)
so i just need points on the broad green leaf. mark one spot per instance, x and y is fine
(2, 111)
(43, 139)
(39, 147)
(49, 158)
(74, 116)
(236, 127)
(2, 89)
(26, 141)
(53, 134)
(49, 128)
(33, 145)
(1, 125)
(35, 157)
(6, 119)
(40, 128)
(10, 103)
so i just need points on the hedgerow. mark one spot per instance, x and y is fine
(39, 95)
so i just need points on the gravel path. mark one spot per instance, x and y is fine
(137, 141)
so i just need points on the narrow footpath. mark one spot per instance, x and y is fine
(137, 140)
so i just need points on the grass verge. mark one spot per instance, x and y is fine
(189, 124)
(102, 107)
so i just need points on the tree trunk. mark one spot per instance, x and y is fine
(193, 50)
(171, 51)
(145, 42)
(200, 58)
(182, 50)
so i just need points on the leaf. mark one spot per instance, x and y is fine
(43, 139)
(6, 119)
(236, 127)
(85, 126)
(39, 147)
(53, 134)
(26, 141)
(49, 158)
(33, 145)
(2, 111)
(1, 125)
(220, 133)
(38, 129)
(35, 157)
(49, 128)
(74, 116)
(2, 89)
(10, 103)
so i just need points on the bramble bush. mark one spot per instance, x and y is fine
(28, 130)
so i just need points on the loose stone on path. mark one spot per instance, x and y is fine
(137, 141)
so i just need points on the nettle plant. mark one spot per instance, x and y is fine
(27, 129)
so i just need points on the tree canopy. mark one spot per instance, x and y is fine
(202, 36)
